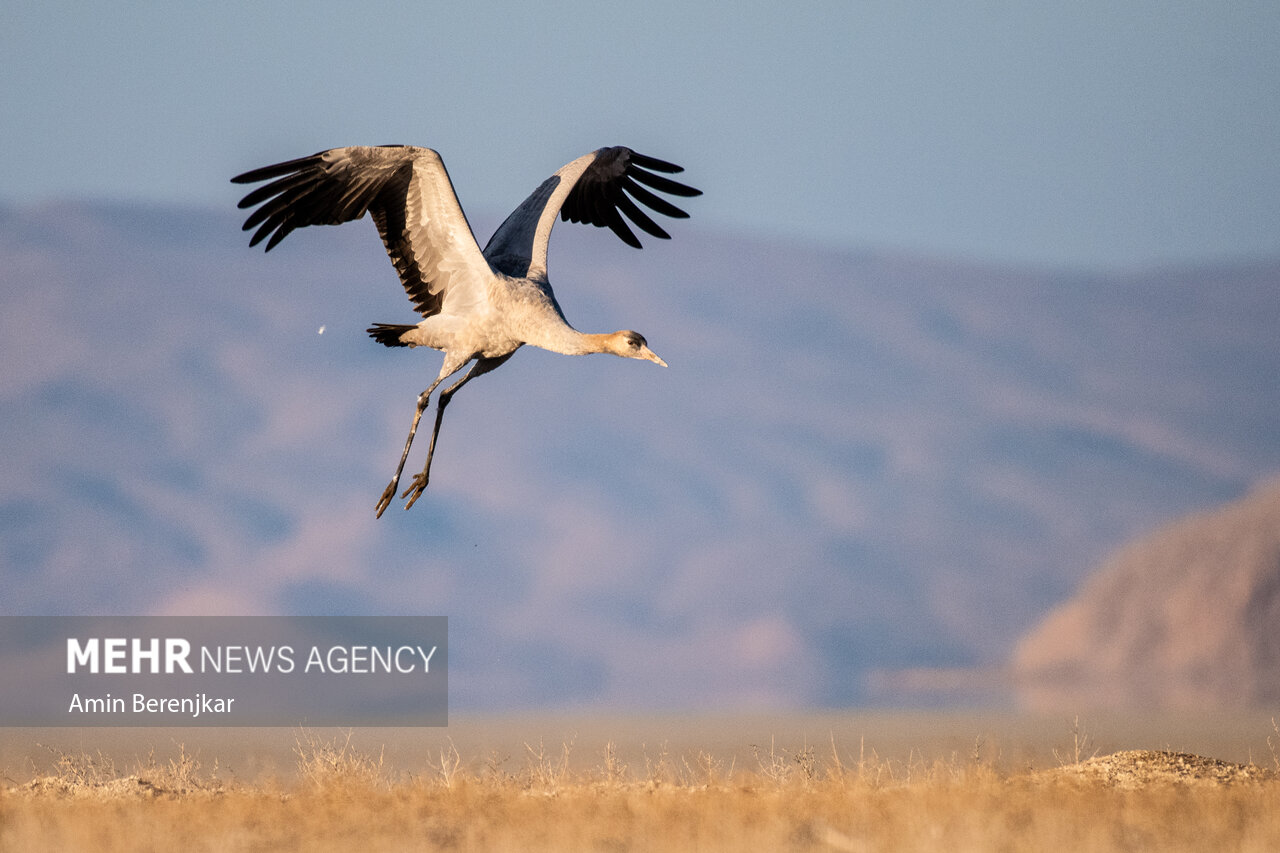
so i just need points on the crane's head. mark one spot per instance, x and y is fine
(630, 344)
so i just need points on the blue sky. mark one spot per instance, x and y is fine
(1088, 135)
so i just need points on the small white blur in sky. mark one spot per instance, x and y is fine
(1086, 135)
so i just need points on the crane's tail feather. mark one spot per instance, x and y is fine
(388, 334)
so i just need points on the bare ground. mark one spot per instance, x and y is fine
(1139, 768)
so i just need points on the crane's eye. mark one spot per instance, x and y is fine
(634, 341)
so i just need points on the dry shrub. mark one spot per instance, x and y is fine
(1273, 744)
(85, 775)
(335, 762)
(795, 799)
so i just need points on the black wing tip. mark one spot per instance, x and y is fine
(661, 184)
(653, 164)
(275, 170)
(270, 218)
(627, 236)
(261, 235)
(644, 161)
(624, 192)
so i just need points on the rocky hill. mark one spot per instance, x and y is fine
(1188, 617)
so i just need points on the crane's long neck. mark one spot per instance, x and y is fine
(565, 339)
(534, 317)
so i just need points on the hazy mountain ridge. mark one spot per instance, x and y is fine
(1184, 617)
(856, 460)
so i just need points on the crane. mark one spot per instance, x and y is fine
(477, 306)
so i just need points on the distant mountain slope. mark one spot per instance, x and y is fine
(856, 461)
(1186, 617)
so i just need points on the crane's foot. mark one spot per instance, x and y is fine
(419, 485)
(388, 494)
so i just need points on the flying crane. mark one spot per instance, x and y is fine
(477, 306)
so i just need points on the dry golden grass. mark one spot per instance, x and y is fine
(798, 799)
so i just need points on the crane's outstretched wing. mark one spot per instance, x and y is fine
(599, 188)
(407, 192)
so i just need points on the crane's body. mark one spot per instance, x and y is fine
(477, 306)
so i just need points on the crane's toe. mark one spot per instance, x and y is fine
(419, 485)
(388, 494)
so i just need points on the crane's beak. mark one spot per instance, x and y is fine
(645, 352)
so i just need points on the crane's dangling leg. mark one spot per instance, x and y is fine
(481, 367)
(450, 367)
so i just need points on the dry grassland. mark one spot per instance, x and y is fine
(803, 799)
